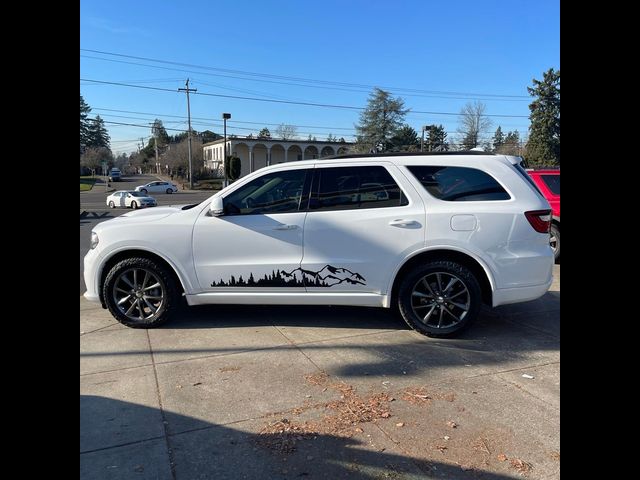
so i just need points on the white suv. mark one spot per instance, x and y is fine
(434, 235)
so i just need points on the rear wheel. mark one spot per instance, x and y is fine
(140, 293)
(144, 190)
(440, 298)
(134, 204)
(554, 240)
(169, 190)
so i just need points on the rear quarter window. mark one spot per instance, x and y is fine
(458, 184)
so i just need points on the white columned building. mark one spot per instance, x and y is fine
(255, 153)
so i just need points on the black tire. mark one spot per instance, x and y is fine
(465, 288)
(111, 204)
(134, 205)
(144, 190)
(169, 190)
(167, 292)
(555, 240)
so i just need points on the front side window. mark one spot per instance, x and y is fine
(278, 192)
(458, 184)
(347, 188)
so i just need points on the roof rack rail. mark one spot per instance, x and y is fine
(405, 154)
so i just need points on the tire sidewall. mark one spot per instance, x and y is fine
(556, 233)
(450, 267)
(134, 205)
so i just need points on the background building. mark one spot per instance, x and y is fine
(255, 153)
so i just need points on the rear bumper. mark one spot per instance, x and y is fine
(504, 296)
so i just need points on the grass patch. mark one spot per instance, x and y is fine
(86, 183)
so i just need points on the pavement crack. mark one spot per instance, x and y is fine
(165, 423)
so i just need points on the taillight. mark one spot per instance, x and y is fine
(540, 220)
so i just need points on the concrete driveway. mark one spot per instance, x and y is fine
(252, 392)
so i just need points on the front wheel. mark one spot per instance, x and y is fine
(111, 204)
(140, 293)
(169, 190)
(134, 204)
(440, 298)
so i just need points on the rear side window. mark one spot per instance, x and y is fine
(458, 184)
(347, 188)
(553, 182)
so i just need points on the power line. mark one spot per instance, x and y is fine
(228, 121)
(311, 104)
(305, 81)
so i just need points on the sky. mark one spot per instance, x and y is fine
(436, 55)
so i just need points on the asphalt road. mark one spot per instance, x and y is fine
(94, 209)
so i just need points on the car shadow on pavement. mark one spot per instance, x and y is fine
(123, 440)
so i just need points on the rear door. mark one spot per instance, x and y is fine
(362, 222)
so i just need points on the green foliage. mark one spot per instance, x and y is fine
(405, 140)
(98, 136)
(436, 139)
(264, 134)
(208, 136)
(233, 168)
(543, 147)
(498, 139)
(158, 131)
(379, 121)
(84, 124)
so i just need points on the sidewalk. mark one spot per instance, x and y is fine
(252, 392)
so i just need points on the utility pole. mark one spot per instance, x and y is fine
(155, 144)
(187, 90)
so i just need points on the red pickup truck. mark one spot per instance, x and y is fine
(548, 181)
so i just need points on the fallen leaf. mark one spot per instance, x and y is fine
(452, 424)
(385, 414)
(400, 424)
(502, 457)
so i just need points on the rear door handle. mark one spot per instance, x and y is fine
(403, 223)
(285, 227)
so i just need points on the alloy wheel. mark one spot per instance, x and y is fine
(138, 293)
(440, 300)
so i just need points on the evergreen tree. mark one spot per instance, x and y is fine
(498, 139)
(543, 147)
(159, 132)
(84, 124)
(405, 140)
(264, 134)
(98, 136)
(380, 121)
(437, 139)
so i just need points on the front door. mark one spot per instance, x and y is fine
(256, 245)
(362, 222)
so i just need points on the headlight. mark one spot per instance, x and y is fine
(94, 240)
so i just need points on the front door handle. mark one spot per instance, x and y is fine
(400, 222)
(285, 227)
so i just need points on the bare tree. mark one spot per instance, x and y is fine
(474, 124)
(94, 156)
(286, 132)
(177, 156)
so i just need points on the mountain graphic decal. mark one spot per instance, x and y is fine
(327, 276)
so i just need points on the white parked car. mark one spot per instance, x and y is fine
(157, 187)
(434, 235)
(127, 198)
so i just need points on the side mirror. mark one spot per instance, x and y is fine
(216, 208)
